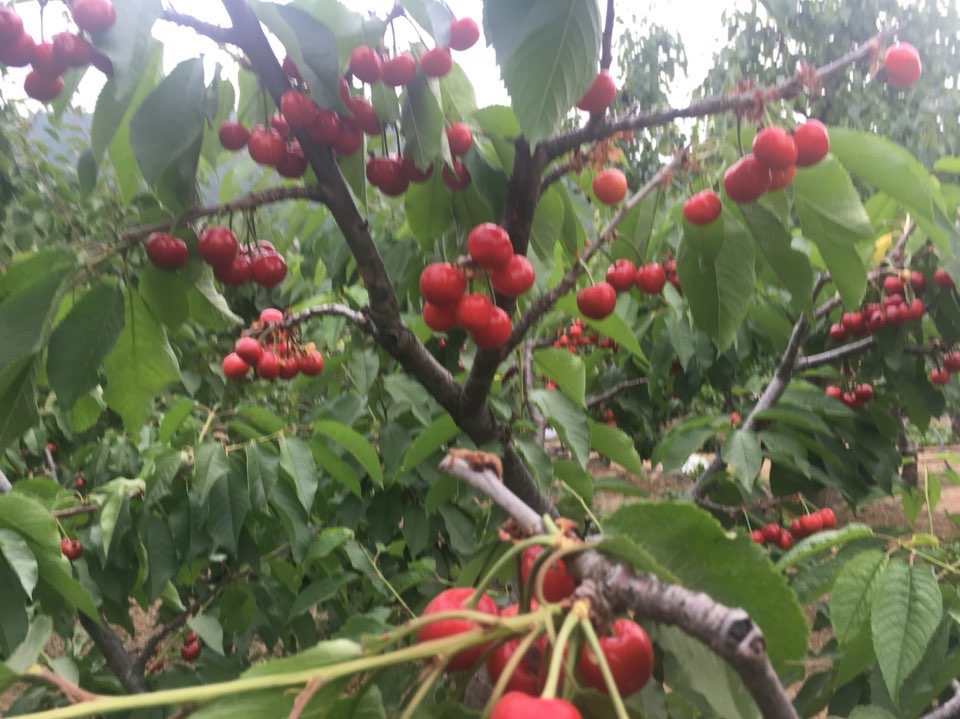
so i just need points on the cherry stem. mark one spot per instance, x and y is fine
(506, 557)
(614, 692)
(546, 562)
(425, 687)
(556, 659)
(522, 648)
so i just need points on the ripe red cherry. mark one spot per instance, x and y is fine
(852, 321)
(442, 284)
(459, 138)
(239, 271)
(438, 318)
(918, 281)
(71, 548)
(702, 208)
(813, 142)
(311, 363)
(811, 523)
(940, 375)
(42, 88)
(771, 532)
(79, 482)
(517, 705)
(838, 332)
(266, 146)
(94, 15)
(514, 278)
(72, 50)
(864, 392)
(489, 245)
(629, 654)
(529, 676)
(190, 651)
(464, 33)
(365, 64)
(473, 312)
(598, 301)
(19, 52)
(45, 61)
(294, 162)
(735, 419)
(775, 147)
(166, 251)
(621, 275)
(902, 63)
(951, 361)
(381, 171)
(452, 600)
(610, 186)
(785, 540)
(757, 536)
(234, 367)
(796, 529)
(298, 109)
(828, 517)
(942, 279)
(271, 316)
(289, 367)
(436, 62)
(891, 284)
(493, 334)
(248, 349)
(233, 135)
(651, 278)
(781, 178)
(400, 70)
(746, 180)
(11, 25)
(269, 270)
(325, 127)
(600, 94)
(217, 245)
(349, 139)
(458, 178)
(834, 391)
(414, 173)
(268, 366)
(557, 584)
(364, 115)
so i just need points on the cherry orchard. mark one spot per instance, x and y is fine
(420, 273)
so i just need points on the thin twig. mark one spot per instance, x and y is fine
(70, 691)
(51, 465)
(304, 697)
(74, 511)
(831, 356)
(487, 482)
(594, 399)
(221, 35)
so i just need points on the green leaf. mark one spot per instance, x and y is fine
(690, 544)
(209, 630)
(792, 266)
(355, 443)
(228, 507)
(208, 306)
(21, 560)
(161, 554)
(165, 295)
(55, 574)
(338, 468)
(315, 54)
(128, 44)
(422, 123)
(458, 95)
(615, 445)
(682, 440)
(31, 519)
(248, 705)
(82, 340)
(210, 465)
(567, 419)
(821, 542)
(742, 452)
(547, 222)
(834, 219)
(906, 613)
(333, 651)
(428, 207)
(404, 390)
(547, 52)
(429, 440)
(718, 287)
(433, 16)
(296, 460)
(564, 368)
(870, 712)
(139, 366)
(18, 398)
(170, 121)
(614, 326)
(25, 655)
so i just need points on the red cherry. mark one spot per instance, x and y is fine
(834, 391)
(771, 532)
(436, 62)
(852, 321)
(349, 139)
(42, 88)
(557, 584)
(381, 171)
(248, 349)
(529, 676)
(271, 316)
(837, 332)
(45, 61)
(757, 536)
(234, 367)
(597, 301)
(298, 109)
(864, 392)
(514, 278)
(902, 63)
(942, 279)
(71, 548)
(217, 245)
(811, 523)
(629, 655)
(702, 208)
(11, 26)
(621, 275)
(746, 180)
(94, 15)
(916, 309)
(775, 147)
(266, 146)
(289, 367)
(280, 124)
(414, 173)
(651, 278)
(785, 540)
(458, 178)
(610, 186)
(489, 245)
(600, 94)
(812, 141)
(459, 138)
(166, 251)
(495, 332)
(473, 312)
(517, 705)
(311, 363)
(891, 284)
(233, 135)
(781, 178)
(439, 318)
(294, 162)
(79, 482)
(268, 366)
(400, 70)
(238, 272)
(735, 419)
(291, 70)
(364, 115)
(19, 52)
(796, 529)
(464, 33)
(828, 517)
(951, 361)
(452, 600)
(939, 375)
(442, 284)
(365, 64)
(325, 127)
(189, 652)
(918, 281)
(269, 270)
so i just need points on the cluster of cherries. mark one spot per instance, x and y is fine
(272, 351)
(800, 527)
(48, 61)
(951, 365)
(392, 174)
(855, 396)
(190, 649)
(894, 307)
(598, 301)
(444, 288)
(574, 338)
(627, 651)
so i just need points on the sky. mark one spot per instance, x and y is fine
(701, 40)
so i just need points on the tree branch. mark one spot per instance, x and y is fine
(222, 35)
(950, 709)
(71, 691)
(594, 399)
(74, 511)
(831, 356)
(338, 310)
(729, 632)
(606, 49)
(115, 654)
